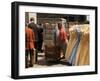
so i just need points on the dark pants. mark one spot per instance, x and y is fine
(31, 62)
(40, 45)
(36, 52)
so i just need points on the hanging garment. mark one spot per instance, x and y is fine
(84, 60)
(72, 56)
(82, 56)
(71, 42)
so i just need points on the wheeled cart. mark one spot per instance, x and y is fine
(52, 53)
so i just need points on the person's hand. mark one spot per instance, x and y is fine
(34, 49)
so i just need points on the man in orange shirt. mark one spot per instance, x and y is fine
(62, 40)
(29, 46)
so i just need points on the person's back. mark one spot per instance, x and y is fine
(62, 35)
(29, 38)
(40, 33)
(33, 26)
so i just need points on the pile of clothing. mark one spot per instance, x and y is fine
(78, 46)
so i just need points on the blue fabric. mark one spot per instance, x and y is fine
(72, 56)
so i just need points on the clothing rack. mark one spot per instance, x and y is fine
(78, 46)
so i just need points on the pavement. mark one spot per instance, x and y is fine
(42, 62)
